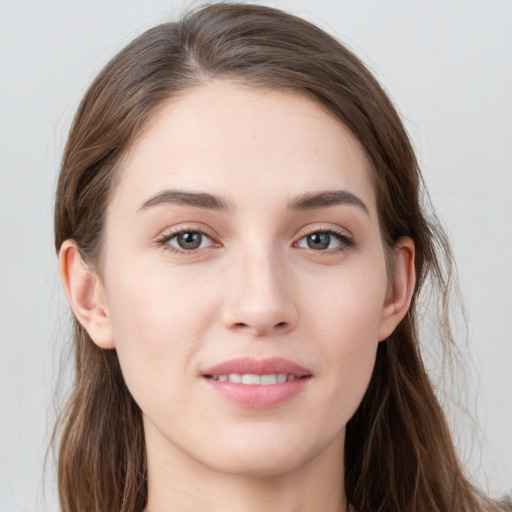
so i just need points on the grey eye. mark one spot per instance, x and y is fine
(320, 241)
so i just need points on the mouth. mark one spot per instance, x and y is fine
(257, 383)
(253, 379)
(249, 371)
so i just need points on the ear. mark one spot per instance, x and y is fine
(85, 294)
(400, 288)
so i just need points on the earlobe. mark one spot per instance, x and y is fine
(401, 287)
(85, 295)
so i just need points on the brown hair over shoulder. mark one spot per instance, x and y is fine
(399, 455)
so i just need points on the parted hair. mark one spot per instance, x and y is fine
(399, 455)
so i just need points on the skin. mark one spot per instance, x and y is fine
(254, 287)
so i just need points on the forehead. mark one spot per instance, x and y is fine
(235, 140)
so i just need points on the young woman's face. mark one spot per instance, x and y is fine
(243, 244)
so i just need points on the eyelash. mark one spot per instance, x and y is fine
(345, 241)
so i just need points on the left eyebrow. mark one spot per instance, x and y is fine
(314, 200)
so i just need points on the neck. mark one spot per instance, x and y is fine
(178, 482)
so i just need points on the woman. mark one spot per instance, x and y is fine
(242, 244)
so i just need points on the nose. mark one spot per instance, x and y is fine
(260, 298)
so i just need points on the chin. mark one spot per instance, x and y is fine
(264, 456)
(260, 466)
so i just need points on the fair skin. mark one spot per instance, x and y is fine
(270, 267)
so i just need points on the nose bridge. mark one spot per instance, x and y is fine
(263, 277)
(260, 299)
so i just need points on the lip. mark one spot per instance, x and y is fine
(257, 396)
(257, 366)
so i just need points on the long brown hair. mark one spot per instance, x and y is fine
(399, 455)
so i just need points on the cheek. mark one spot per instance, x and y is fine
(158, 321)
(347, 318)
(349, 304)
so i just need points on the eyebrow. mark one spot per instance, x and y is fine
(314, 200)
(308, 201)
(181, 197)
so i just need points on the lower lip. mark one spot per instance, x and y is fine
(258, 396)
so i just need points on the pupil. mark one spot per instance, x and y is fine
(189, 240)
(319, 241)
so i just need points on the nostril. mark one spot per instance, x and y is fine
(242, 325)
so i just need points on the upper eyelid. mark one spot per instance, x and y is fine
(171, 232)
(323, 228)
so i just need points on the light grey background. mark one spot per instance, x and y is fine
(448, 66)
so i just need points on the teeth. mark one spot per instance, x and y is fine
(269, 379)
(251, 379)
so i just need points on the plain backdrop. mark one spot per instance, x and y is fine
(446, 64)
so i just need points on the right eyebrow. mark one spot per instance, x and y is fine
(181, 197)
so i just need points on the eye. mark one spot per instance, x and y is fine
(325, 240)
(186, 241)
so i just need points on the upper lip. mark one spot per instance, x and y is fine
(249, 365)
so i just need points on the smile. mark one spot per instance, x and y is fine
(257, 384)
(251, 379)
